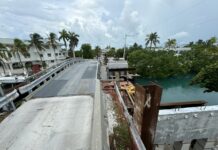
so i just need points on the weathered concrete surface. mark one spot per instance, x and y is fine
(59, 123)
(77, 79)
(187, 124)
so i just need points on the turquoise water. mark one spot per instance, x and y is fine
(178, 89)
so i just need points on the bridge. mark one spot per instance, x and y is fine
(63, 113)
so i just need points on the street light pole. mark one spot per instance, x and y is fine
(124, 52)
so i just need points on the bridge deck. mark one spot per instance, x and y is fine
(48, 124)
(60, 116)
(78, 79)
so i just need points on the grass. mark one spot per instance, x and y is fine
(121, 134)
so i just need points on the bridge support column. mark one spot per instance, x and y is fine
(12, 106)
(185, 146)
(9, 107)
(1, 90)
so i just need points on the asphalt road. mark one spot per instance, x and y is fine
(60, 117)
(79, 79)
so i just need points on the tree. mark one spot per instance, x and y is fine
(97, 51)
(135, 57)
(78, 53)
(207, 78)
(111, 52)
(190, 44)
(119, 53)
(202, 54)
(152, 39)
(3, 56)
(19, 48)
(210, 43)
(171, 43)
(37, 42)
(64, 36)
(73, 37)
(87, 51)
(156, 64)
(53, 43)
(2, 51)
(135, 46)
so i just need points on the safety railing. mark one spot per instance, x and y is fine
(135, 135)
(8, 98)
(35, 80)
(28, 87)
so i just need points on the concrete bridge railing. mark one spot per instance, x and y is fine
(10, 97)
(188, 127)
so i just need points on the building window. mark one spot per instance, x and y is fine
(56, 54)
(63, 53)
(52, 61)
(49, 54)
(59, 53)
(27, 55)
(41, 55)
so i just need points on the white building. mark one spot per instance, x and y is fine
(48, 56)
(177, 49)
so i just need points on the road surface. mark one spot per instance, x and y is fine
(78, 79)
(59, 117)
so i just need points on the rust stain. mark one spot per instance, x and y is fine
(147, 103)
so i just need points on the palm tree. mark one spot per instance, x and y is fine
(2, 56)
(171, 43)
(73, 37)
(152, 39)
(52, 42)
(2, 51)
(64, 36)
(211, 42)
(19, 48)
(37, 42)
(97, 51)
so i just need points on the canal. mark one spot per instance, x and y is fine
(178, 89)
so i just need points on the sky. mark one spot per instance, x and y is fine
(105, 22)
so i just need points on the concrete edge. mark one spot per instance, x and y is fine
(98, 138)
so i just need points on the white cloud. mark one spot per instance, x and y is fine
(179, 35)
(101, 22)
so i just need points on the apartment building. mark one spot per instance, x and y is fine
(32, 60)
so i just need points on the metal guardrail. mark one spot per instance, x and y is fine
(136, 137)
(8, 98)
(37, 79)
(33, 84)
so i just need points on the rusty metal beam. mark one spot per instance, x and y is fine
(183, 104)
(147, 103)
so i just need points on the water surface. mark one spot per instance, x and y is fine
(178, 89)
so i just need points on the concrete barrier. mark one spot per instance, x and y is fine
(186, 125)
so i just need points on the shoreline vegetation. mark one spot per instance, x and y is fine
(161, 63)
(200, 58)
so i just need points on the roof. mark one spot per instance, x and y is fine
(117, 64)
(7, 41)
(49, 123)
(10, 41)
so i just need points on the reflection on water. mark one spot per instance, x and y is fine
(178, 89)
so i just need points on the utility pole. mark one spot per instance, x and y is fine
(124, 52)
(125, 38)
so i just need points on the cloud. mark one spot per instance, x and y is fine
(101, 22)
(179, 35)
